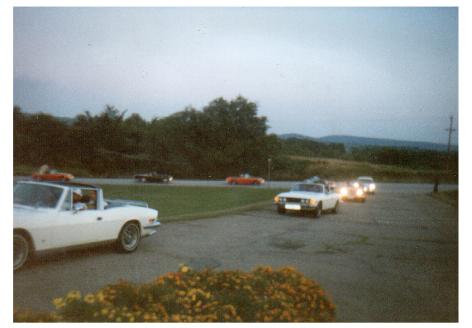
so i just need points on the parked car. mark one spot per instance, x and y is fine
(367, 184)
(154, 177)
(245, 179)
(51, 216)
(313, 198)
(47, 174)
(349, 192)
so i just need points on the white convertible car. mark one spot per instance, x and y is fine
(308, 197)
(50, 216)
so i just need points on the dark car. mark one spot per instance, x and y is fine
(154, 177)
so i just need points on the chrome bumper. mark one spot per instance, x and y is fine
(151, 229)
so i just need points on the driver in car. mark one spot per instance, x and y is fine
(77, 198)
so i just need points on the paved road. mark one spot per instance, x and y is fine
(393, 258)
(381, 187)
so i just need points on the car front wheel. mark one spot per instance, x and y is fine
(317, 211)
(336, 207)
(21, 250)
(129, 237)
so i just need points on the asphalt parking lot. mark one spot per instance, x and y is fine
(392, 259)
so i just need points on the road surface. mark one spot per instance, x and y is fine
(381, 187)
(391, 259)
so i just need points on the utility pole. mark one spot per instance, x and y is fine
(450, 130)
(268, 169)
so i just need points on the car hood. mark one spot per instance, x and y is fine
(300, 194)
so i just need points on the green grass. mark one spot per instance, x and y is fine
(180, 203)
(346, 169)
(450, 197)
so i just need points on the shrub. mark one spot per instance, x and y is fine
(263, 295)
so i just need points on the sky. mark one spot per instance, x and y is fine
(371, 72)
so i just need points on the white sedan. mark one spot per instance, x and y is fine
(51, 216)
(313, 198)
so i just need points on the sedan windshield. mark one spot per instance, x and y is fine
(36, 195)
(308, 187)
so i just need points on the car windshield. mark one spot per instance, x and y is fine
(366, 180)
(308, 187)
(36, 195)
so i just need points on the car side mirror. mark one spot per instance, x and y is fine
(79, 207)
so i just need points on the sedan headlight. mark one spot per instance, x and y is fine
(343, 191)
(279, 200)
(356, 184)
(372, 186)
(359, 192)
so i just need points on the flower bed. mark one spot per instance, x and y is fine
(263, 295)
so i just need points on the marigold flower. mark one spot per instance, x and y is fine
(89, 299)
(59, 303)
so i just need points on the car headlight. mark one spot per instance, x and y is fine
(372, 186)
(356, 184)
(313, 202)
(343, 191)
(359, 192)
(279, 200)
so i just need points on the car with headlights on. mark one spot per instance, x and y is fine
(312, 198)
(351, 192)
(367, 184)
(53, 216)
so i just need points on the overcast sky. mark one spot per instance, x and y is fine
(373, 72)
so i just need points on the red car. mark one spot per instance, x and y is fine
(245, 179)
(46, 174)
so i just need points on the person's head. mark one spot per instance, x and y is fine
(76, 195)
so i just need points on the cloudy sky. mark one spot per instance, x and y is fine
(373, 72)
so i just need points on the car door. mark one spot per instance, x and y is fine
(71, 227)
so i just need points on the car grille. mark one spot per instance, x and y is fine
(293, 200)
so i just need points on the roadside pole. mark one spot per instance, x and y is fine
(269, 160)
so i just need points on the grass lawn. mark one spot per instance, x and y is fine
(345, 169)
(179, 202)
(450, 197)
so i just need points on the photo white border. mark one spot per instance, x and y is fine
(6, 126)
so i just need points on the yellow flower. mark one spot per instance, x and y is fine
(59, 303)
(184, 269)
(89, 299)
(73, 295)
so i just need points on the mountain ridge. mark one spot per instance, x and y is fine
(355, 141)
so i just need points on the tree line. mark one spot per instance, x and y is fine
(224, 138)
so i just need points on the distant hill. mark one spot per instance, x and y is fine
(352, 141)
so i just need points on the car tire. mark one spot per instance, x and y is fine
(317, 211)
(336, 207)
(280, 210)
(21, 250)
(129, 238)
